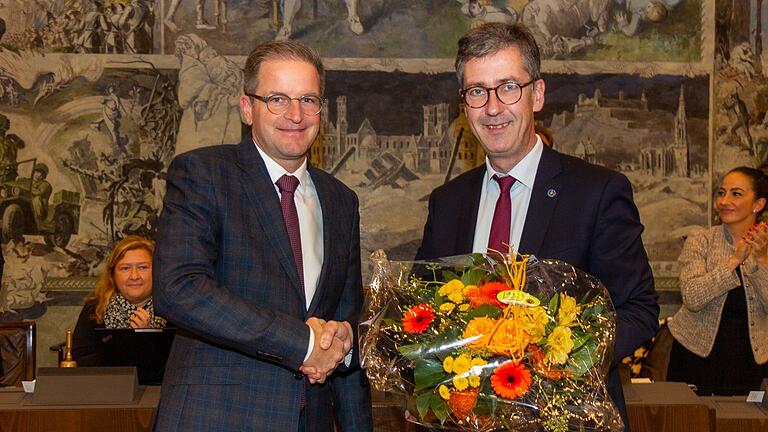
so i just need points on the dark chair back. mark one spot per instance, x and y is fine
(17, 350)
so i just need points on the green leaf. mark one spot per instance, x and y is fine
(473, 276)
(422, 403)
(579, 339)
(554, 303)
(439, 407)
(485, 310)
(428, 373)
(449, 276)
(411, 352)
(582, 360)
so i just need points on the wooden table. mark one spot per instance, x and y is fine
(734, 414)
(667, 407)
(18, 415)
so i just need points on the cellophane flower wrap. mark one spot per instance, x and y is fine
(480, 344)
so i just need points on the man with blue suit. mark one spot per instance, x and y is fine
(553, 205)
(258, 264)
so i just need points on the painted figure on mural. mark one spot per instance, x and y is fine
(563, 27)
(11, 144)
(291, 7)
(41, 191)
(642, 11)
(209, 89)
(137, 21)
(220, 14)
(92, 30)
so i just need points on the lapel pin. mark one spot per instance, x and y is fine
(551, 193)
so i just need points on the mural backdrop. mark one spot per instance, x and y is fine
(96, 97)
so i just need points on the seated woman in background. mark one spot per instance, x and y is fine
(122, 298)
(721, 330)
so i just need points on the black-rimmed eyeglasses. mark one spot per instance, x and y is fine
(278, 103)
(508, 93)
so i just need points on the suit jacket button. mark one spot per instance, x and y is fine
(298, 375)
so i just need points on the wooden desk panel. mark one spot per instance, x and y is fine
(18, 415)
(667, 407)
(734, 414)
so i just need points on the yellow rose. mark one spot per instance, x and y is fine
(474, 381)
(568, 310)
(559, 345)
(467, 289)
(478, 331)
(448, 364)
(447, 307)
(444, 392)
(464, 307)
(461, 364)
(460, 382)
(453, 286)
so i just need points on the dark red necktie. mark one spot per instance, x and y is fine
(499, 237)
(287, 185)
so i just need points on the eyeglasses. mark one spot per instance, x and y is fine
(279, 103)
(128, 268)
(509, 93)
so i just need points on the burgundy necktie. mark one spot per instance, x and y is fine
(499, 237)
(287, 185)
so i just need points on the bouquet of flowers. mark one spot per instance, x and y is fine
(480, 344)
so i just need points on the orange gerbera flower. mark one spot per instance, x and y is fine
(418, 318)
(486, 294)
(463, 402)
(511, 380)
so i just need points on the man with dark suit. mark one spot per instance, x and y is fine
(553, 206)
(256, 249)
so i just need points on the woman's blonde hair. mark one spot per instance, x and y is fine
(106, 287)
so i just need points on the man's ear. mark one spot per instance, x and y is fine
(538, 95)
(246, 110)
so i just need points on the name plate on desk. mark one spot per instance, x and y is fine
(86, 386)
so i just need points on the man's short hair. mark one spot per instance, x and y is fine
(490, 38)
(279, 50)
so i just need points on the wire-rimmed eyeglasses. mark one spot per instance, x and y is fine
(508, 93)
(278, 103)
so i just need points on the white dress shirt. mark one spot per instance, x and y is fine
(520, 196)
(310, 221)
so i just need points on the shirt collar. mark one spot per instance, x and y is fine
(276, 171)
(525, 170)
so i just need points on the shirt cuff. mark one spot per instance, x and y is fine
(311, 343)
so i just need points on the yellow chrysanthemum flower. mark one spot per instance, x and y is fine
(444, 392)
(447, 307)
(559, 345)
(456, 297)
(467, 289)
(461, 364)
(451, 287)
(448, 364)
(461, 383)
(474, 381)
(568, 310)
(464, 307)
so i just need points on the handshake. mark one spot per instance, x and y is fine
(333, 340)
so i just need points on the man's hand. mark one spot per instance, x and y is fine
(333, 340)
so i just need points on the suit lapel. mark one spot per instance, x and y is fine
(546, 189)
(330, 219)
(266, 205)
(471, 187)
